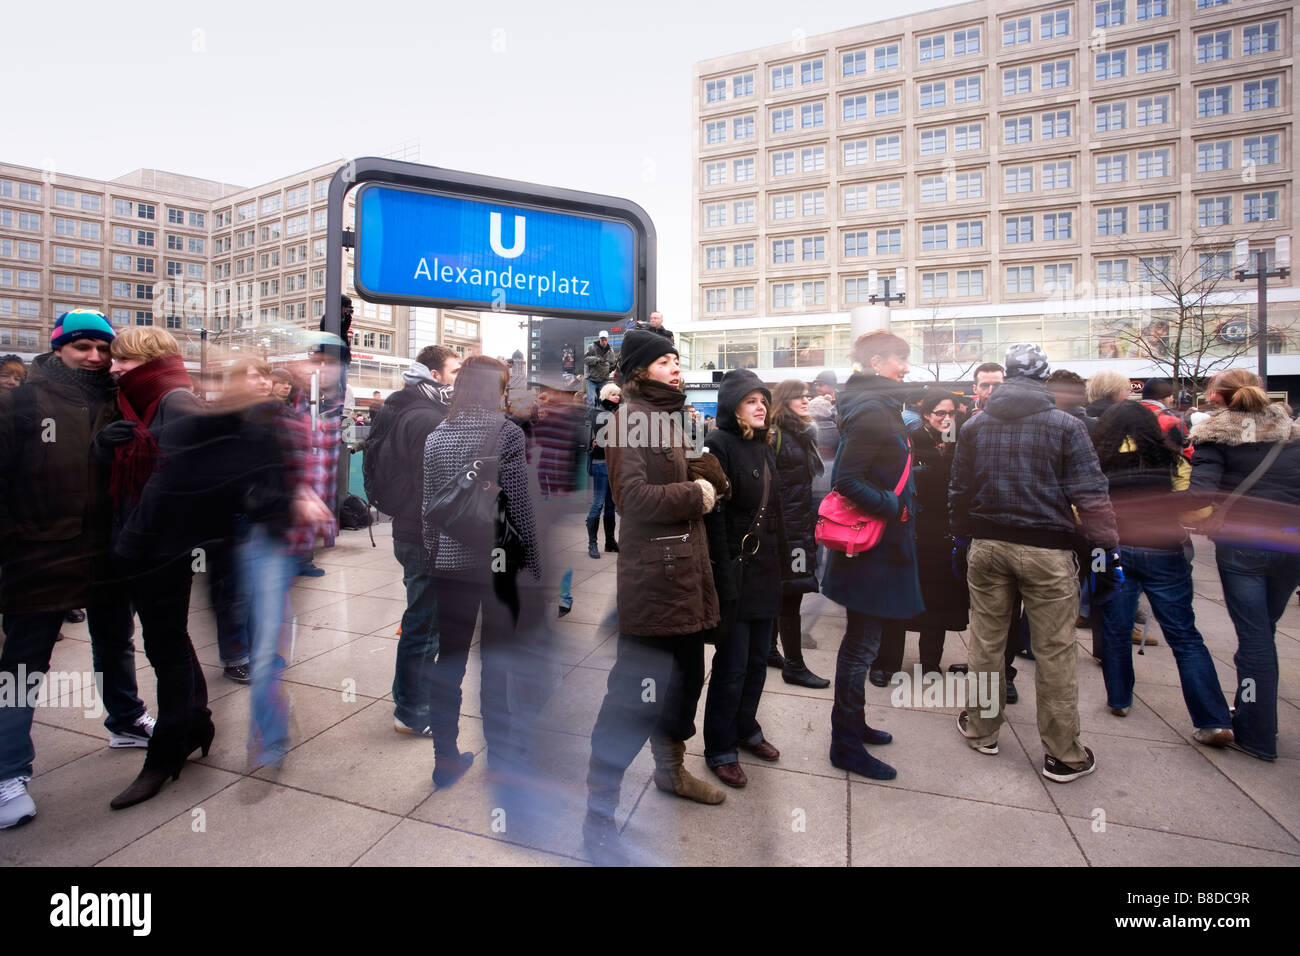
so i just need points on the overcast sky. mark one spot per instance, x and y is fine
(592, 96)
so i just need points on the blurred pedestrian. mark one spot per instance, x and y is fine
(602, 498)
(12, 371)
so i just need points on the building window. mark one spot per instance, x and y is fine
(1212, 47)
(969, 136)
(934, 285)
(715, 300)
(970, 185)
(1111, 116)
(855, 108)
(1259, 207)
(934, 141)
(1110, 13)
(1153, 111)
(1213, 101)
(855, 244)
(966, 89)
(1261, 150)
(715, 215)
(1213, 157)
(970, 234)
(1112, 221)
(886, 103)
(1018, 179)
(1260, 38)
(856, 199)
(889, 195)
(29, 191)
(715, 174)
(1054, 76)
(966, 41)
(814, 203)
(1216, 265)
(934, 189)
(1017, 80)
(1054, 24)
(1056, 125)
(933, 94)
(934, 237)
(1153, 269)
(782, 251)
(742, 84)
(743, 211)
(813, 248)
(1015, 32)
(1112, 65)
(855, 290)
(1112, 272)
(810, 71)
(887, 56)
(855, 63)
(1152, 9)
(812, 115)
(814, 293)
(970, 282)
(1058, 225)
(742, 255)
(715, 132)
(742, 170)
(1057, 175)
(855, 153)
(1153, 58)
(783, 163)
(783, 295)
(715, 257)
(143, 238)
(1020, 279)
(1153, 217)
(1260, 94)
(1019, 229)
(783, 207)
(783, 120)
(783, 77)
(813, 160)
(742, 298)
(1153, 163)
(931, 48)
(888, 148)
(1058, 276)
(1016, 130)
(889, 242)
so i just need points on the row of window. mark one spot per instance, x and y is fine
(1256, 39)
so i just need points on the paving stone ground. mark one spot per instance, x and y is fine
(353, 792)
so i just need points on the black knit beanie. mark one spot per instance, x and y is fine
(640, 349)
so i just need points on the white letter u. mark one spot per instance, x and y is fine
(494, 236)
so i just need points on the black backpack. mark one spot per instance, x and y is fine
(374, 479)
(354, 515)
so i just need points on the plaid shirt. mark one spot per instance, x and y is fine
(312, 458)
(1021, 469)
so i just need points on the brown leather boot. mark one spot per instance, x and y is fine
(671, 775)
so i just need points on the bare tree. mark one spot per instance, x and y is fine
(937, 339)
(1194, 324)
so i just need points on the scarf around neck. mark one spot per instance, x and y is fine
(420, 376)
(140, 392)
(661, 396)
(96, 385)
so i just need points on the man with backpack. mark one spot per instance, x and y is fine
(393, 471)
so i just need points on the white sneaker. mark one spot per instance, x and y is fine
(137, 736)
(16, 806)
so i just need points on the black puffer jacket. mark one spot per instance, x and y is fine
(799, 465)
(408, 419)
(749, 588)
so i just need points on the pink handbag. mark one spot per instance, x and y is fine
(841, 525)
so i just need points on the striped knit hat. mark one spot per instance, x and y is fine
(81, 324)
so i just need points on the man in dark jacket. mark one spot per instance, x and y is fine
(55, 521)
(597, 366)
(404, 425)
(1019, 470)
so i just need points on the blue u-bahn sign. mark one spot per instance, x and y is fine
(434, 247)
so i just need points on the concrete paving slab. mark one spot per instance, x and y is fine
(367, 662)
(56, 747)
(259, 823)
(360, 615)
(414, 843)
(1118, 845)
(893, 827)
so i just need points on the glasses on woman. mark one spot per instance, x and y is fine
(942, 414)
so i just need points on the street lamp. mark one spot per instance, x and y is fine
(1261, 274)
(873, 279)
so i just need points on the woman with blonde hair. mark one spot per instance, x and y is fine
(1250, 452)
(154, 394)
(1106, 388)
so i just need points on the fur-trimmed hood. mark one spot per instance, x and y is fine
(1231, 427)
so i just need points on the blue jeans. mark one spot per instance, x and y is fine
(602, 496)
(1167, 580)
(731, 709)
(857, 652)
(29, 641)
(593, 393)
(1256, 587)
(417, 647)
(229, 606)
(266, 572)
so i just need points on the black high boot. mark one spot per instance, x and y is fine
(592, 550)
(795, 671)
(610, 544)
(774, 658)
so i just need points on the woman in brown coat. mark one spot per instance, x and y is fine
(666, 599)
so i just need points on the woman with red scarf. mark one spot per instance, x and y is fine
(154, 390)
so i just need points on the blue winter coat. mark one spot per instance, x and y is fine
(873, 451)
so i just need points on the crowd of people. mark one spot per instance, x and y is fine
(1001, 515)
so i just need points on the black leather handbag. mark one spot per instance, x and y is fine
(471, 500)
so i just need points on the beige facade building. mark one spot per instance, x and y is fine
(1041, 171)
(158, 248)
